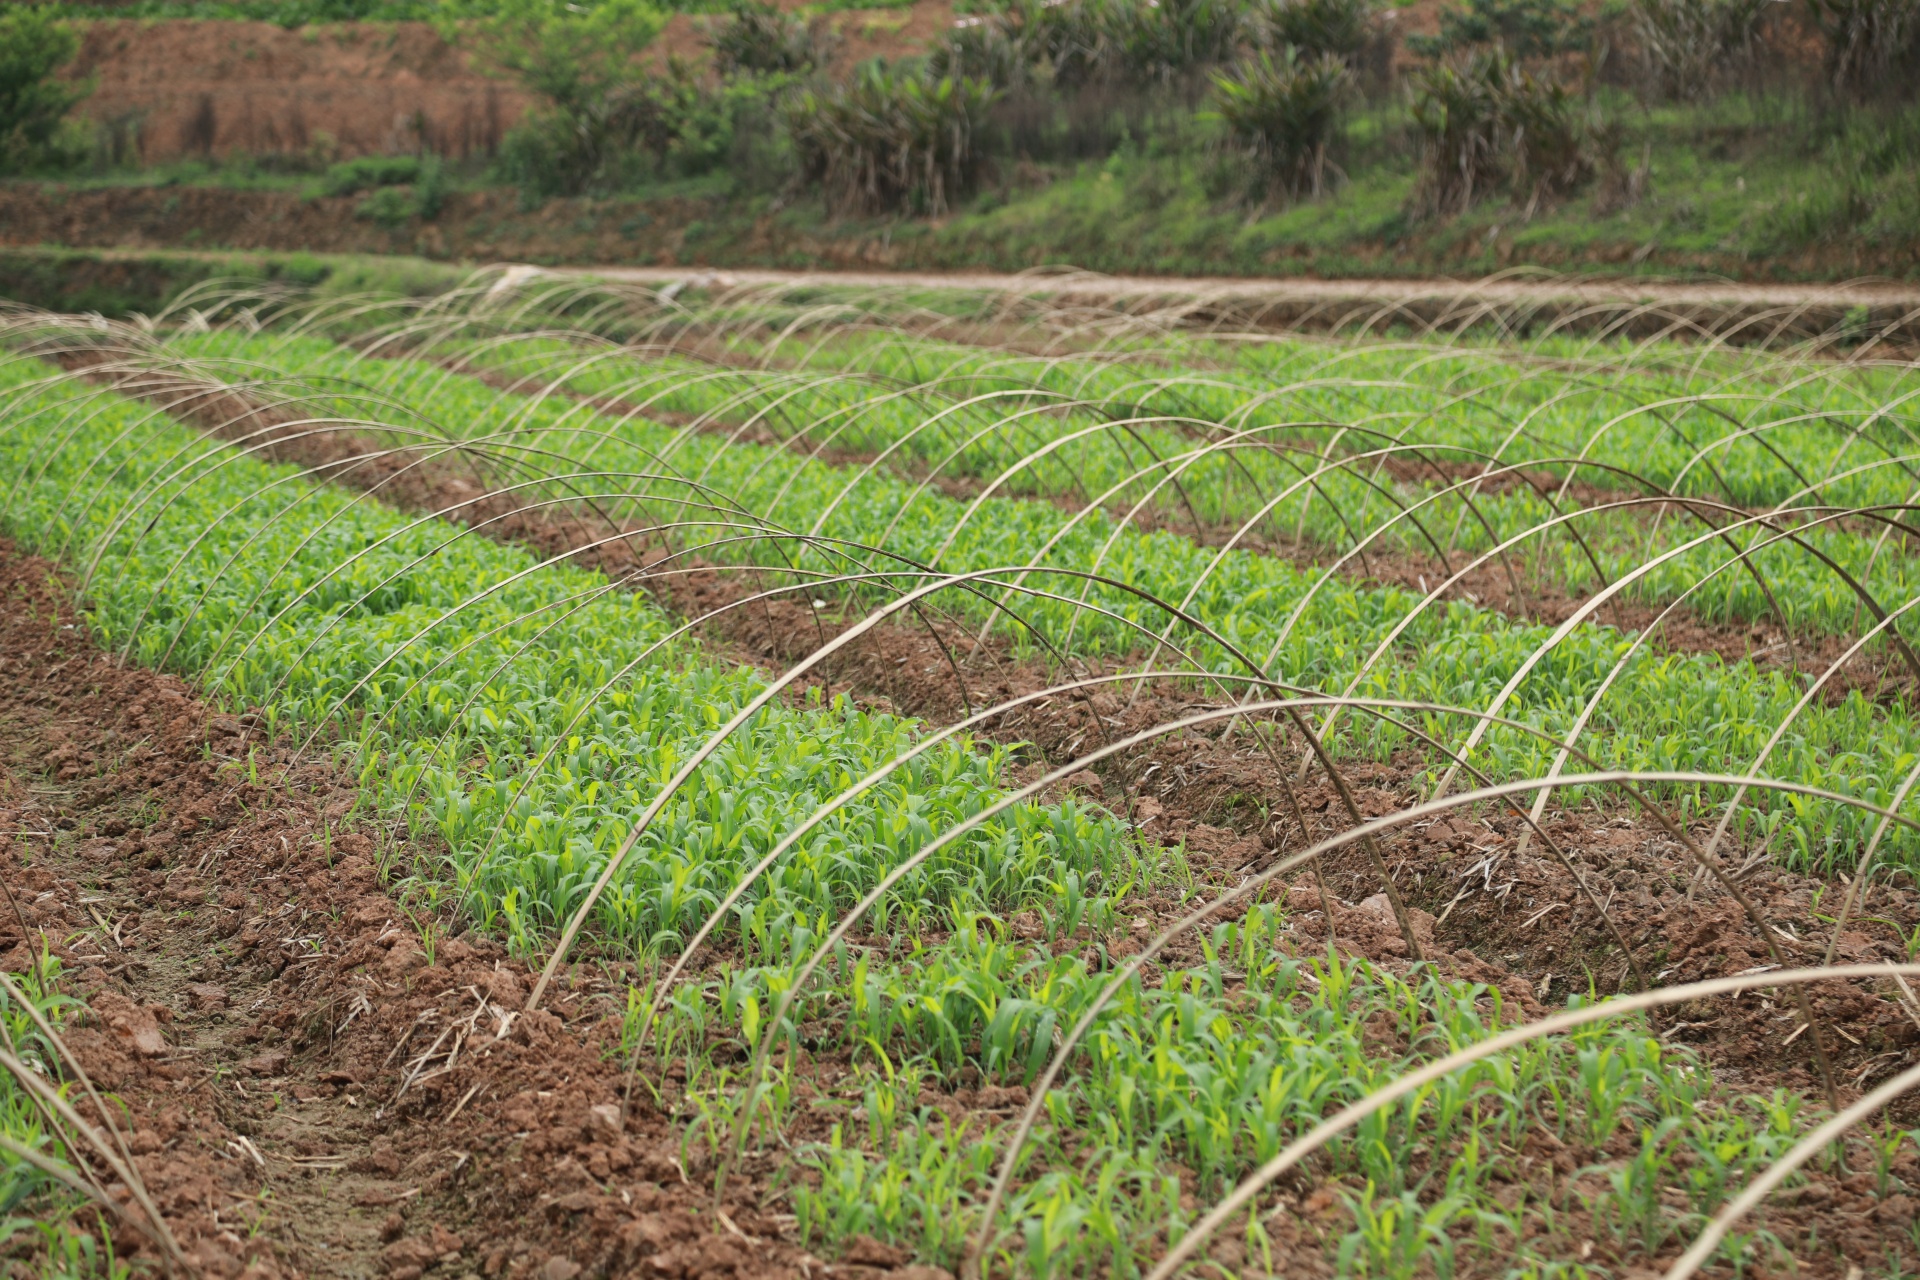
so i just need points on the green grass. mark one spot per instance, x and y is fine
(147, 282)
(1726, 188)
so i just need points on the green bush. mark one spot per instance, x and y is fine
(1867, 42)
(1342, 28)
(1486, 123)
(890, 142)
(674, 125)
(1526, 29)
(582, 62)
(1689, 45)
(364, 173)
(1280, 114)
(1171, 40)
(995, 47)
(757, 39)
(32, 102)
(398, 199)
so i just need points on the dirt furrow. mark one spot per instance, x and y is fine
(319, 1081)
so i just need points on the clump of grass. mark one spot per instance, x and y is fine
(1867, 42)
(1280, 116)
(758, 39)
(1691, 46)
(890, 141)
(1486, 123)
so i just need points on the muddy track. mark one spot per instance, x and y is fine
(1741, 313)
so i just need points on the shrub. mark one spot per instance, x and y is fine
(992, 47)
(1173, 40)
(1077, 39)
(670, 126)
(1689, 45)
(888, 142)
(1525, 29)
(32, 103)
(760, 40)
(581, 61)
(1280, 113)
(402, 192)
(1341, 28)
(364, 173)
(1866, 41)
(1484, 122)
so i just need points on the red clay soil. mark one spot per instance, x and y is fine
(168, 90)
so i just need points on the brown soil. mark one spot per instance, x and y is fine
(338, 994)
(168, 90)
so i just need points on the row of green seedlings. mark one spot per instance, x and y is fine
(1629, 704)
(1188, 1085)
(1364, 457)
(1361, 464)
(88, 469)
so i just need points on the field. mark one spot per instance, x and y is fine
(560, 778)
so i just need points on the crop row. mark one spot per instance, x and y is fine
(478, 689)
(1378, 427)
(1629, 703)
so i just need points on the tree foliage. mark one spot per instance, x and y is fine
(33, 100)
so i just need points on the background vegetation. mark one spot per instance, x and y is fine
(1189, 135)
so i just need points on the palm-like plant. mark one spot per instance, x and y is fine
(1689, 44)
(1866, 40)
(1338, 27)
(757, 38)
(887, 142)
(1486, 121)
(1280, 114)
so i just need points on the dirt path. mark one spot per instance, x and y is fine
(1800, 308)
